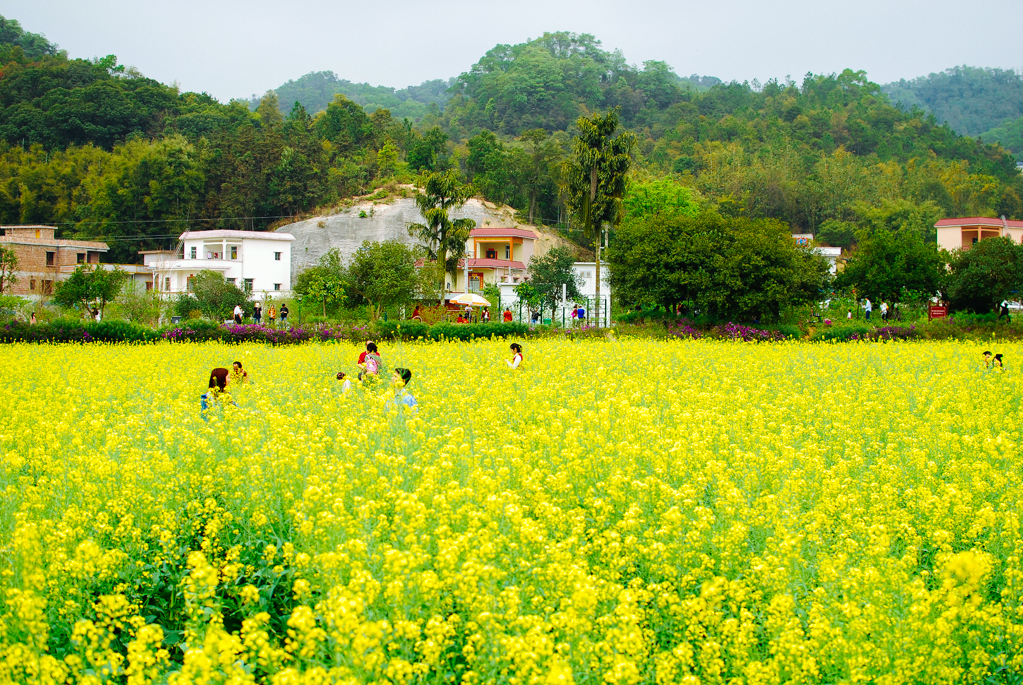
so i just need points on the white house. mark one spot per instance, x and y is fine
(254, 261)
(585, 273)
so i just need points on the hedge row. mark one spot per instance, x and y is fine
(69, 330)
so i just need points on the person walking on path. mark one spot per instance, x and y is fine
(516, 360)
(884, 311)
(257, 313)
(1003, 310)
(284, 315)
(867, 307)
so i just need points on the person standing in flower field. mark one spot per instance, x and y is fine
(219, 379)
(238, 374)
(272, 314)
(516, 360)
(284, 315)
(867, 307)
(372, 363)
(403, 399)
(884, 311)
(238, 313)
(1003, 310)
(257, 313)
(346, 382)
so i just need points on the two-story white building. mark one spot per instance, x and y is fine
(254, 261)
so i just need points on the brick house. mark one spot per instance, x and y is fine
(44, 259)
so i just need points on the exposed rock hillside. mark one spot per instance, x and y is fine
(389, 220)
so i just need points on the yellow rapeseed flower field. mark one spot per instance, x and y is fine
(626, 511)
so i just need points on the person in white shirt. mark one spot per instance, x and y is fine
(884, 311)
(516, 359)
(346, 382)
(238, 313)
(867, 307)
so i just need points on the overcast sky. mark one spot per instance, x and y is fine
(233, 48)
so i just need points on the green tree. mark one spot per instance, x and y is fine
(443, 237)
(387, 159)
(215, 298)
(595, 179)
(324, 282)
(548, 274)
(888, 264)
(88, 287)
(541, 153)
(8, 267)
(487, 167)
(985, 274)
(730, 268)
(383, 274)
(660, 196)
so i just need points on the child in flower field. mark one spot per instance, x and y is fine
(997, 362)
(346, 382)
(516, 359)
(402, 399)
(987, 359)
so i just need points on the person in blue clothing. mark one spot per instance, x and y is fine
(402, 399)
(217, 392)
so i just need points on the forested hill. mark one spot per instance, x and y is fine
(101, 151)
(316, 90)
(973, 101)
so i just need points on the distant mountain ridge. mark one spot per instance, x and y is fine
(317, 89)
(974, 101)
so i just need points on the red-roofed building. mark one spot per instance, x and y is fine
(962, 233)
(495, 255)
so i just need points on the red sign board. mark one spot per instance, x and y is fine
(937, 312)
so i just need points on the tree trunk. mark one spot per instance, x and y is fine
(442, 264)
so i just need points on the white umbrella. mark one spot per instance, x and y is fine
(471, 299)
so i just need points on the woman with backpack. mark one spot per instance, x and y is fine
(371, 364)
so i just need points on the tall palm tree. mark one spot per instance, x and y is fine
(443, 237)
(595, 179)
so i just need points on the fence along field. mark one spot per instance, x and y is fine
(623, 512)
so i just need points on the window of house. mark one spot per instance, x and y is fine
(193, 253)
(248, 285)
(81, 257)
(277, 256)
(190, 283)
(232, 281)
(149, 286)
(50, 256)
(37, 233)
(166, 283)
(234, 252)
(3, 231)
(491, 253)
(47, 287)
(507, 252)
(277, 286)
(32, 284)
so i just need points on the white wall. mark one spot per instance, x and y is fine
(261, 266)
